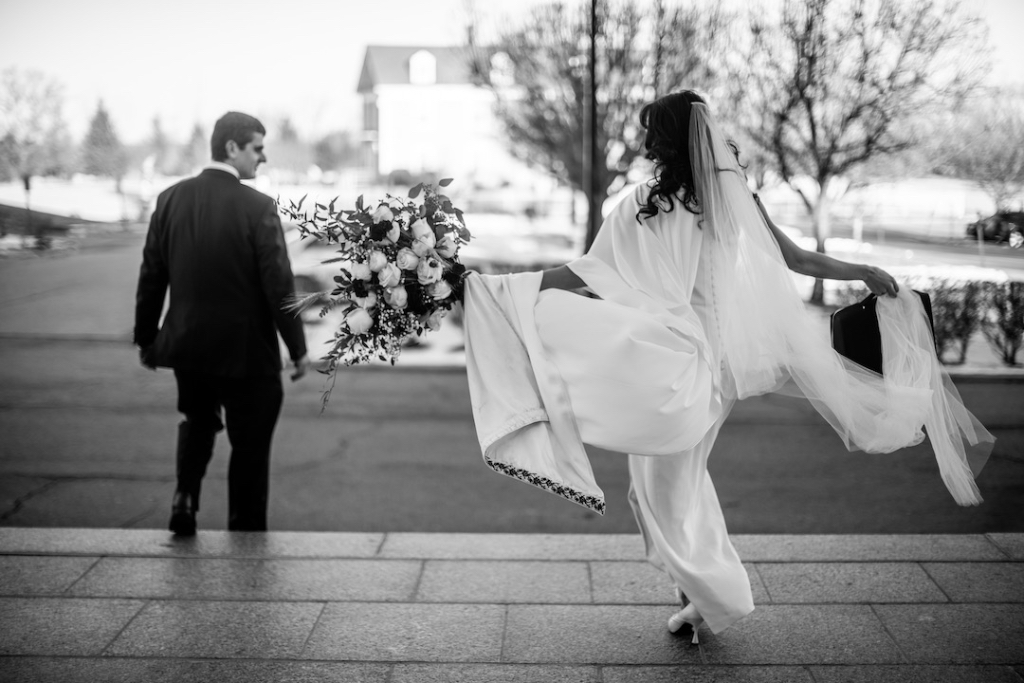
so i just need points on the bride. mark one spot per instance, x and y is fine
(682, 306)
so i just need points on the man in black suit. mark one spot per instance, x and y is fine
(218, 245)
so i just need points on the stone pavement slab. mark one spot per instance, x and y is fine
(956, 634)
(137, 605)
(706, 674)
(409, 632)
(158, 543)
(594, 634)
(504, 582)
(867, 548)
(220, 579)
(857, 582)
(148, 670)
(975, 582)
(805, 634)
(62, 626)
(640, 583)
(192, 628)
(514, 546)
(1011, 544)
(914, 674)
(30, 575)
(493, 673)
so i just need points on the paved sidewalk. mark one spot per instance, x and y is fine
(137, 605)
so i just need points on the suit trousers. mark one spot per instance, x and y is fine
(251, 406)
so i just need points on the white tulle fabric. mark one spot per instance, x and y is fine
(769, 342)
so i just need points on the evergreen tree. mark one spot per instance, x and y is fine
(102, 151)
(159, 147)
(196, 151)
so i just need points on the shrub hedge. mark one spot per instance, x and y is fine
(960, 308)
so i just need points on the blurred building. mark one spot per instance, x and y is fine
(423, 114)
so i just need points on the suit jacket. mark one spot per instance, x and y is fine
(218, 245)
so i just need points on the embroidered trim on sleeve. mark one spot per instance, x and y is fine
(591, 502)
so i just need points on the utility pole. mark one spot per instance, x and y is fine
(591, 159)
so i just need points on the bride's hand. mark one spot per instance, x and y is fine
(880, 282)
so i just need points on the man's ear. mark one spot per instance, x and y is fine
(232, 148)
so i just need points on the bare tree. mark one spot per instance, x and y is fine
(32, 130)
(984, 143)
(538, 72)
(832, 84)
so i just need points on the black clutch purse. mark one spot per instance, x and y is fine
(855, 332)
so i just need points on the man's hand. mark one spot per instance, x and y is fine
(301, 366)
(146, 357)
(880, 282)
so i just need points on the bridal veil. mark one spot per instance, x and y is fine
(769, 342)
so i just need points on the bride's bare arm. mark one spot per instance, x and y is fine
(819, 265)
(561, 277)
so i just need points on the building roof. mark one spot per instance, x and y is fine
(389, 65)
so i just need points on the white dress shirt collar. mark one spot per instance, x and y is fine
(221, 166)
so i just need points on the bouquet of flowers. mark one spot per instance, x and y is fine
(399, 271)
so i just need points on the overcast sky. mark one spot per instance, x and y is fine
(191, 60)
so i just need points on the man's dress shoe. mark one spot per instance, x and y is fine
(183, 514)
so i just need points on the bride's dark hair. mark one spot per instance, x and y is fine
(667, 141)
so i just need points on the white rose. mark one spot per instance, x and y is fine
(359, 321)
(389, 276)
(423, 239)
(383, 213)
(428, 271)
(446, 246)
(368, 301)
(440, 290)
(397, 297)
(394, 233)
(377, 260)
(421, 228)
(359, 271)
(433, 322)
(407, 259)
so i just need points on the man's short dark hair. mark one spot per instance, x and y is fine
(233, 126)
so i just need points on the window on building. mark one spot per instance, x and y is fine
(370, 113)
(423, 68)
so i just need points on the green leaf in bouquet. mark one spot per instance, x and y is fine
(415, 190)
(359, 203)
(298, 206)
(444, 182)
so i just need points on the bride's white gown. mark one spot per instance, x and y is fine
(682, 328)
(639, 387)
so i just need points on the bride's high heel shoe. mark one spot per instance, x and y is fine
(687, 617)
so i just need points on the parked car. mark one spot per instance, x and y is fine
(1004, 226)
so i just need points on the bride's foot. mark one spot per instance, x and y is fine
(686, 620)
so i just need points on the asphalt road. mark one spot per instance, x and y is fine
(88, 440)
